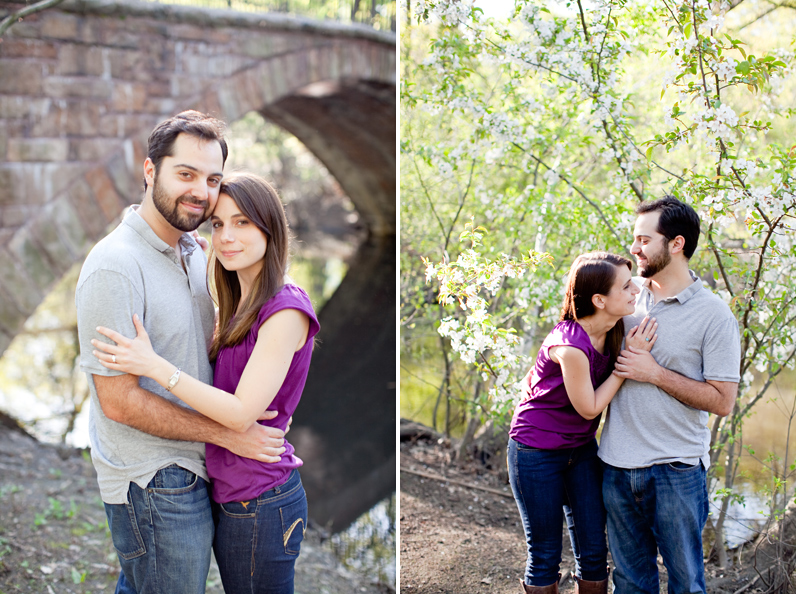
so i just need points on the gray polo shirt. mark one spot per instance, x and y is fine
(698, 338)
(133, 271)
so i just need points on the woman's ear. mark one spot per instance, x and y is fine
(598, 301)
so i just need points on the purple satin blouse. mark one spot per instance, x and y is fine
(547, 420)
(241, 479)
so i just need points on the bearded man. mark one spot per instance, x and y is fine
(655, 443)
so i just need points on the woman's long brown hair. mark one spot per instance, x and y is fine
(594, 274)
(259, 202)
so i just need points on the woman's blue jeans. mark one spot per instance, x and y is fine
(163, 534)
(258, 541)
(550, 485)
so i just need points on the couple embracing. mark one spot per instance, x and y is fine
(647, 482)
(180, 399)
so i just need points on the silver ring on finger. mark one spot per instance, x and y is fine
(647, 339)
(113, 357)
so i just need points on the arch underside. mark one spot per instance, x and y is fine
(350, 127)
(345, 425)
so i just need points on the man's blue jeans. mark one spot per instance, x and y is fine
(548, 486)
(662, 507)
(164, 534)
(258, 541)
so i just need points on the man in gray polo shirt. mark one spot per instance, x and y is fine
(148, 447)
(655, 441)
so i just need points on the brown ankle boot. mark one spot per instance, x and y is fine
(551, 589)
(587, 587)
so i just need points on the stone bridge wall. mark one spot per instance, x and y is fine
(82, 85)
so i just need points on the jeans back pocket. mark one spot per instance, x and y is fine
(294, 523)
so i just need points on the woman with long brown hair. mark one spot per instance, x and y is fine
(261, 351)
(552, 453)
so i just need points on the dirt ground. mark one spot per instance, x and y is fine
(54, 537)
(456, 539)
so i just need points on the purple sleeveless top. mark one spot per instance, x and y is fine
(547, 420)
(240, 479)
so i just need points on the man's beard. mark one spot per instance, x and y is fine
(170, 209)
(657, 261)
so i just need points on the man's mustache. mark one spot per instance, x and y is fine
(192, 200)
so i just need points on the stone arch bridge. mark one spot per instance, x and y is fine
(81, 87)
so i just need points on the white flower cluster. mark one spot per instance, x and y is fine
(713, 208)
(449, 12)
(716, 120)
(725, 69)
(476, 336)
(725, 207)
(714, 22)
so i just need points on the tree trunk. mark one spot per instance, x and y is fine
(354, 9)
(467, 438)
(444, 387)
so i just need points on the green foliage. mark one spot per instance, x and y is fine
(78, 577)
(7, 490)
(56, 511)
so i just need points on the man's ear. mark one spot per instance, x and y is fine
(149, 172)
(677, 245)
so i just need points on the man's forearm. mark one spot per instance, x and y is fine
(157, 416)
(696, 394)
(124, 401)
(717, 397)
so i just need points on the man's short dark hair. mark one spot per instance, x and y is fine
(677, 218)
(193, 123)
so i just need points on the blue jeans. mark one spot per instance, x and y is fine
(662, 507)
(163, 534)
(548, 486)
(258, 541)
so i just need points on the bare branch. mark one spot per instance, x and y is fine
(764, 14)
(699, 51)
(715, 251)
(580, 193)
(636, 191)
(758, 277)
(7, 22)
(769, 380)
(583, 21)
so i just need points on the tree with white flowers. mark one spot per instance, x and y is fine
(527, 141)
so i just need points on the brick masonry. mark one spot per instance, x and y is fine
(83, 84)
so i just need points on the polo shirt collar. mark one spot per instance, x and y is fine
(140, 226)
(683, 295)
